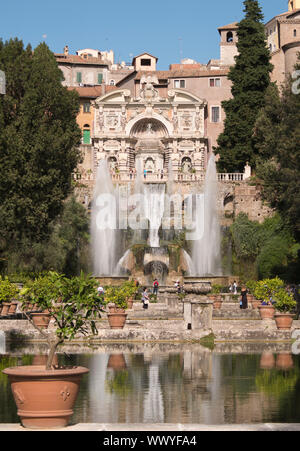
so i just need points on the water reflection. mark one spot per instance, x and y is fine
(184, 384)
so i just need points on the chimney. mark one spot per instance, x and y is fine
(66, 50)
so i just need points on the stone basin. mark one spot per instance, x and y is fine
(196, 286)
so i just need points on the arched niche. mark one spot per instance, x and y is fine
(138, 126)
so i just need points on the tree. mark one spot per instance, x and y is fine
(277, 137)
(65, 251)
(250, 78)
(39, 143)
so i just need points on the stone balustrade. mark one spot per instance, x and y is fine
(179, 177)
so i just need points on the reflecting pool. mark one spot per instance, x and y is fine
(185, 384)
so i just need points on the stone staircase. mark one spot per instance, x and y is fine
(170, 307)
(231, 310)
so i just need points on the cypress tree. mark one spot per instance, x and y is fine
(39, 143)
(250, 78)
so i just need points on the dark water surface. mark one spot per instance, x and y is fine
(192, 385)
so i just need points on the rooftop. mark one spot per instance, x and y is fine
(76, 59)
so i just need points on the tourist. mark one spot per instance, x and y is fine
(145, 299)
(145, 173)
(230, 288)
(101, 291)
(155, 287)
(235, 287)
(130, 174)
(244, 300)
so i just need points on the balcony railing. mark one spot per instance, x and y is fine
(179, 177)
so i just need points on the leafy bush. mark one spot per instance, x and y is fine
(130, 288)
(117, 296)
(266, 289)
(251, 286)
(272, 257)
(284, 301)
(8, 290)
(264, 250)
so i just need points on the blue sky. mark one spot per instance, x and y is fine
(168, 29)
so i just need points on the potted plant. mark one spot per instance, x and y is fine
(265, 291)
(284, 305)
(8, 293)
(45, 395)
(35, 293)
(131, 289)
(116, 301)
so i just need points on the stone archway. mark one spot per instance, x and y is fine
(157, 120)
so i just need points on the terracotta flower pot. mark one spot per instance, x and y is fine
(284, 321)
(114, 309)
(130, 303)
(117, 320)
(255, 303)
(41, 319)
(284, 361)
(5, 308)
(116, 362)
(13, 308)
(45, 399)
(266, 311)
(267, 360)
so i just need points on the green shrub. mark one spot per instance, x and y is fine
(8, 290)
(266, 289)
(284, 301)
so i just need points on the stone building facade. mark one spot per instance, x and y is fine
(150, 130)
(139, 118)
(283, 35)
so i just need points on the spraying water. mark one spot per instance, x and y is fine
(206, 254)
(154, 210)
(104, 227)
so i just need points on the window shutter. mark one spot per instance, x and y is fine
(86, 137)
(100, 79)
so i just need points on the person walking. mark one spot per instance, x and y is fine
(145, 299)
(244, 300)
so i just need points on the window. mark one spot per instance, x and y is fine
(295, 33)
(86, 108)
(145, 62)
(78, 77)
(229, 36)
(100, 79)
(179, 84)
(215, 114)
(215, 82)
